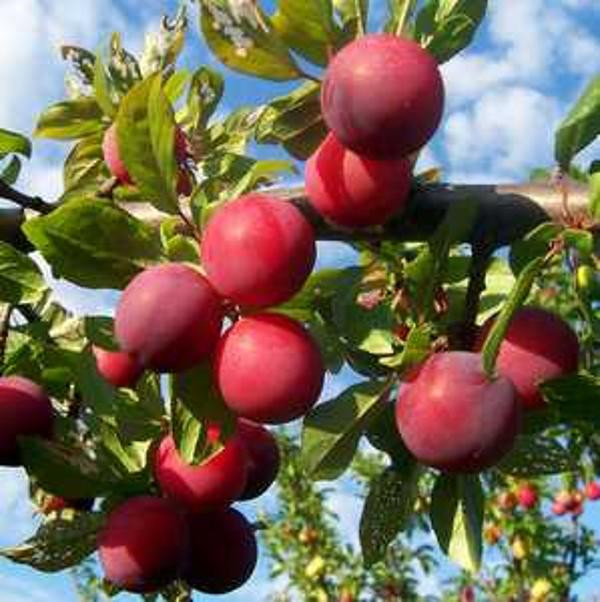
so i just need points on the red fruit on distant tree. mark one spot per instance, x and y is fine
(223, 552)
(210, 485)
(527, 495)
(54, 503)
(169, 317)
(507, 501)
(383, 96)
(538, 346)
(269, 368)
(25, 411)
(119, 368)
(112, 158)
(452, 389)
(143, 544)
(258, 251)
(567, 500)
(592, 490)
(263, 458)
(355, 191)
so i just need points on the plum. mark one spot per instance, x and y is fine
(143, 544)
(263, 458)
(355, 191)
(25, 410)
(527, 495)
(223, 552)
(120, 369)
(383, 96)
(169, 317)
(54, 503)
(453, 417)
(258, 251)
(269, 368)
(538, 346)
(210, 485)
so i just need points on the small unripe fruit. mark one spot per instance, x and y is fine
(119, 368)
(355, 191)
(210, 485)
(223, 552)
(258, 251)
(25, 411)
(383, 96)
(170, 317)
(492, 534)
(592, 490)
(269, 369)
(452, 388)
(507, 501)
(263, 458)
(143, 544)
(538, 346)
(527, 495)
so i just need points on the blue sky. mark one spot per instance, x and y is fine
(504, 97)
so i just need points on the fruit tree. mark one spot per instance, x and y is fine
(469, 319)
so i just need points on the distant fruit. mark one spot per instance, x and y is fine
(143, 544)
(25, 411)
(269, 369)
(527, 495)
(169, 317)
(452, 387)
(258, 251)
(54, 503)
(507, 501)
(354, 191)
(383, 96)
(223, 552)
(592, 490)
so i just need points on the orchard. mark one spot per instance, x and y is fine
(152, 438)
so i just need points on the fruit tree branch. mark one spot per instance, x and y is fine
(23, 200)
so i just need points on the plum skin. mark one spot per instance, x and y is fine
(119, 368)
(258, 251)
(269, 368)
(210, 485)
(223, 552)
(355, 191)
(170, 317)
(25, 410)
(454, 418)
(538, 346)
(383, 96)
(143, 544)
(263, 458)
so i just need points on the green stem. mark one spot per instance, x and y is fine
(406, 13)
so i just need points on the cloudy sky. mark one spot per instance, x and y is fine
(504, 97)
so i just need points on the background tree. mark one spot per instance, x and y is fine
(424, 282)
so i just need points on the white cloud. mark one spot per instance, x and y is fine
(18, 521)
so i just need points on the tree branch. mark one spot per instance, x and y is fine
(23, 200)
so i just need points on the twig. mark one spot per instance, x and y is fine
(5, 311)
(23, 200)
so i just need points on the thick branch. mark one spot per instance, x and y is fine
(506, 213)
(23, 200)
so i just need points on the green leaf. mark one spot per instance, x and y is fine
(445, 27)
(145, 132)
(81, 60)
(308, 27)
(535, 244)
(102, 89)
(60, 543)
(12, 142)
(581, 126)
(189, 434)
(595, 195)
(354, 15)
(244, 39)
(196, 391)
(20, 279)
(387, 510)
(576, 398)
(93, 243)
(85, 164)
(534, 456)
(206, 91)
(10, 173)
(328, 340)
(514, 301)
(581, 240)
(123, 68)
(62, 470)
(70, 120)
(294, 121)
(99, 330)
(382, 434)
(416, 348)
(457, 518)
(400, 15)
(176, 84)
(331, 430)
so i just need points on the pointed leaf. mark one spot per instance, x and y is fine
(70, 120)
(12, 142)
(20, 279)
